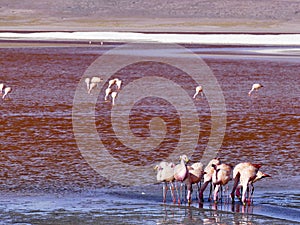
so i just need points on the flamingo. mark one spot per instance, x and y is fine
(255, 87)
(221, 177)
(181, 172)
(116, 81)
(199, 89)
(107, 92)
(87, 81)
(92, 86)
(96, 80)
(243, 175)
(113, 96)
(208, 173)
(260, 175)
(195, 174)
(91, 83)
(165, 174)
(1, 88)
(6, 91)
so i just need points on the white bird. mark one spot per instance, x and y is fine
(91, 83)
(243, 175)
(208, 173)
(195, 174)
(96, 80)
(87, 81)
(255, 87)
(199, 89)
(6, 91)
(165, 174)
(221, 177)
(113, 96)
(107, 92)
(1, 88)
(116, 81)
(260, 175)
(181, 173)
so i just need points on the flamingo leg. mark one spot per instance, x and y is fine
(172, 192)
(164, 192)
(202, 190)
(216, 191)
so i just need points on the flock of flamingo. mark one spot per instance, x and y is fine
(114, 85)
(112, 92)
(218, 174)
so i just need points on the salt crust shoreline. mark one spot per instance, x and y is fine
(180, 38)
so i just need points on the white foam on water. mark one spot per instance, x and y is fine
(224, 39)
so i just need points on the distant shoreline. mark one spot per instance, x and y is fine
(231, 39)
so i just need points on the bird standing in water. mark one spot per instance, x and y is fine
(255, 87)
(165, 174)
(195, 174)
(7, 90)
(199, 89)
(1, 88)
(221, 177)
(243, 175)
(181, 173)
(91, 83)
(208, 173)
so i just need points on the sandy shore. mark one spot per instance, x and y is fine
(152, 16)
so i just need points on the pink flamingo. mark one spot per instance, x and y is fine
(1, 88)
(107, 92)
(165, 174)
(91, 83)
(116, 81)
(243, 175)
(195, 174)
(260, 175)
(7, 90)
(181, 173)
(221, 177)
(208, 173)
(199, 89)
(255, 87)
(113, 96)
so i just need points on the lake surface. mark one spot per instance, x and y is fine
(53, 171)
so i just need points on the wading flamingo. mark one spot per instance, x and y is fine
(91, 83)
(255, 87)
(195, 174)
(87, 81)
(260, 175)
(107, 92)
(199, 89)
(181, 173)
(7, 90)
(165, 174)
(243, 175)
(116, 81)
(208, 173)
(1, 88)
(221, 177)
(113, 96)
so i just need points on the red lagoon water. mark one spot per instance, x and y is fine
(39, 149)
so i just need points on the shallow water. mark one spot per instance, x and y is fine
(47, 179)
